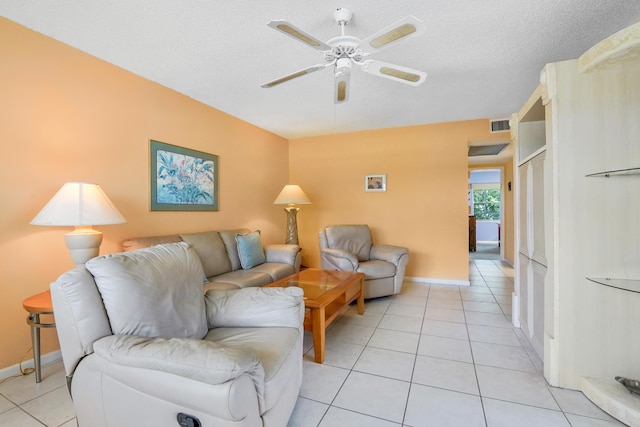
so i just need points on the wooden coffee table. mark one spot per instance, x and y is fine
(326, 294)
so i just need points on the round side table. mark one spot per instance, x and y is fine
(36, 305)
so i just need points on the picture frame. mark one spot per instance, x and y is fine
(182, 179)
(375, 183)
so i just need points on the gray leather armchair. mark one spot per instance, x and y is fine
(142, 345)
(351, 248)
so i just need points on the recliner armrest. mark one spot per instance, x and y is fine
(388, 253)
(199, 360)
(285, 254)
(339, 259)
(255, 307)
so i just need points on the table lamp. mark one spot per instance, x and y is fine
(80, 205)
(292, 195)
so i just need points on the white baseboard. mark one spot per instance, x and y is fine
(506, 261)
(45, 359)
(438, 281)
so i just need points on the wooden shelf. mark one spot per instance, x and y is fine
(623, 284)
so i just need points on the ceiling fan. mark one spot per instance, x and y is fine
(343, 51)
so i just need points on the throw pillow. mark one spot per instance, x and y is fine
(153, 292)
(250, 249)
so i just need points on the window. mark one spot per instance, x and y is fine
(486, 204)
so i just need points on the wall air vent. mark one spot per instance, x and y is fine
(486, 150)
(499, 125)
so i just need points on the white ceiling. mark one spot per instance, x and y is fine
(483, 57)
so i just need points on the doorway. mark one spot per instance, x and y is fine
(485, 199)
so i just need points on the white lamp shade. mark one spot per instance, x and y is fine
(292, 195)
(79, 204)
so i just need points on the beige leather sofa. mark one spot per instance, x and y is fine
(218, 251)
(350, 248)
(143, 346)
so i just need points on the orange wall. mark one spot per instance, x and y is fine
(425, 206)
(67, 116)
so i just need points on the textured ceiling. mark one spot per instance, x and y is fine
(482, 57)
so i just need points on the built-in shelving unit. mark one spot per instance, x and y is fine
(624, 284)
(630, 285)
(531, 128)
(607, 338)
(607, 174)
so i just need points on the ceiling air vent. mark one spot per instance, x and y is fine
(486, 150)
(499, 125)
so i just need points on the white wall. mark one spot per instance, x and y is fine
(487, 231)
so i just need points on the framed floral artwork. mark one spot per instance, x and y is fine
(375, 182)
(182, 179)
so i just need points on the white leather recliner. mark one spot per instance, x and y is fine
(143, 346)
(351, 248)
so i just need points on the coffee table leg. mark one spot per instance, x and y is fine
(318, 326)
(361, 298)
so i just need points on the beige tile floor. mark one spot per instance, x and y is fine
(437, 356)
(434, 355)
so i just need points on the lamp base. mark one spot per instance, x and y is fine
(83, 244)
(292, 225)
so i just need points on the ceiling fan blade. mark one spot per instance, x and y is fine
(294, 75)
(394, 72)
(341, 88)
(406, 28)
(296, 33)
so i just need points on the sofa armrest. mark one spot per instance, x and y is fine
(285, 254)
(203, 361)
(388, 253)
(199, 360)
(339, 259)
(255, 307)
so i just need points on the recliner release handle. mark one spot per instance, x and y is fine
(185, 420)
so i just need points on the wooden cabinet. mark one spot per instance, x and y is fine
(472, 233)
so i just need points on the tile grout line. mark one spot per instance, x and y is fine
(415, 356)
(351, 369)
(475, 370)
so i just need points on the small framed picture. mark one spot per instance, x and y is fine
(375, 182)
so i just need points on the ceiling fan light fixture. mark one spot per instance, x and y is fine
(341, 87)
(399, 74)
(343, 66)
(395, 34)
(299, 35)
(342, 91)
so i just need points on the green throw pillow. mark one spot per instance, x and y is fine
(250, 249)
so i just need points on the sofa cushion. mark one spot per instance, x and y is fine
(229, 239)
(352, 238)
(250, 249)
(145, 242)
(153, 292)
(276, 270)
(243, 278)
(211, 250)
(376, 269)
